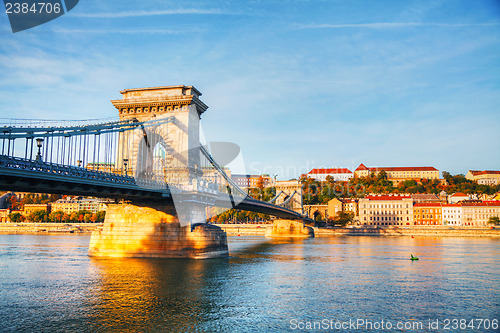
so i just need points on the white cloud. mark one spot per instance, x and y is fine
(386, 25)
(125, 31)
(140, 13)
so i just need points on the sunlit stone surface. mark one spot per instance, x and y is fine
(289, 228)
(133, 231)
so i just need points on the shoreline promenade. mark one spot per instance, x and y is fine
(260, 230)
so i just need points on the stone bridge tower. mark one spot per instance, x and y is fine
(291, 193)
(178, 142)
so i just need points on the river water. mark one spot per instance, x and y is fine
(49, 284)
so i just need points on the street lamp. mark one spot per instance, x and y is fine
(125, 161)
(39, 142)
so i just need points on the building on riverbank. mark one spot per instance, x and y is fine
(346, 205)
(4, 215)
(69, 206)
(428, 213)
(452, 214)
(30, 208)
(477, 214)
(386, 210)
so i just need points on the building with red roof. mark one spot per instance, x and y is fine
(485, 177)
(478, 213)
(428, 213)
(338, 174)
(386, 210)
(457, 197)
(399, 174)
(452, 214)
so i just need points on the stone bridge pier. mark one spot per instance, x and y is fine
(289, 228)
(135, 231)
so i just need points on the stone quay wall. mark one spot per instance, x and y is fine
(48, 228)
(260, 229)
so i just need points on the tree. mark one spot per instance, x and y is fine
(260, 183)
(73, 217)
(494, 220)
(13, 203)
(16, 217)
(58, 216)
(382, 175)
(100, 216)
(87, 217)
(38, 216)
(342, 218)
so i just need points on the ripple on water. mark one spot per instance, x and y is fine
(49, 283)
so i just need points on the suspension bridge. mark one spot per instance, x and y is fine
(151, 154)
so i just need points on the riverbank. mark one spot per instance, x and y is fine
(260, 229)
(48, 228)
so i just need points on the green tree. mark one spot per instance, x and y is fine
(38, 216)
(494, 220)
(382, 175)
(100, 216)
(58, 216)
(88, 217)
(16, 217)
(73, 217)
(342, 218)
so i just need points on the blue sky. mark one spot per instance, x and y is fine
(297, 84)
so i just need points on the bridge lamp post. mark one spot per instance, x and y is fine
(39, 142)
(125, 162)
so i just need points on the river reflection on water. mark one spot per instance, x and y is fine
(48, 283)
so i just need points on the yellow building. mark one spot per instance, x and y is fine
(30, 208)
(75, 205)
(428, 213)
(486, 177)
(102, 166)
(4, 215)
(347, 205)
(399, 174)
(65, 205)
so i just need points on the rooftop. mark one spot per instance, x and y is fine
(426, 168)
(329, 170)
(485, 172)
(460, 194)
(428, 204)
(387, 197)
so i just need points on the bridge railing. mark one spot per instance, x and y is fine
(37, 123)
(18, 163)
